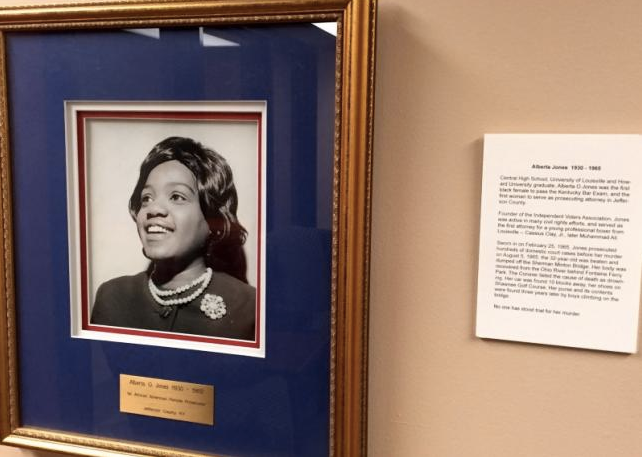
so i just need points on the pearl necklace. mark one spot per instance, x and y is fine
(203, 280)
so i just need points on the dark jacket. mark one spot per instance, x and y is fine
(127, 302)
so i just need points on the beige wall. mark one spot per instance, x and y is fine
(449, 71)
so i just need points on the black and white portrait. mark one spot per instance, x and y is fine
(165, 239)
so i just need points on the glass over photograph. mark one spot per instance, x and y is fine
(187, 206)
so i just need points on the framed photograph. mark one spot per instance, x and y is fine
(185, 199)
(101, 179)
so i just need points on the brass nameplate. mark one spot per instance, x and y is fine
(182, 401)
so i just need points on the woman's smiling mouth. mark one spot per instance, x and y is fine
(157, 229)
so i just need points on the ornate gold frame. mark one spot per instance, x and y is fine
(351, 200)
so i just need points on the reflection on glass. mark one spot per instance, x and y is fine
(150, 33)
(209, 40)
(330, 27)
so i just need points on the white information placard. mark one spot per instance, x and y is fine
(561, 240)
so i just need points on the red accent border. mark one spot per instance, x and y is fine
(81, 118)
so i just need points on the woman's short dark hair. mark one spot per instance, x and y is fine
(217, 196)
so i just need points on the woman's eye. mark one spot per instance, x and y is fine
(177, 197)
(145, 199)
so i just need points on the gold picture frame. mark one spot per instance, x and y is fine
(351, 198)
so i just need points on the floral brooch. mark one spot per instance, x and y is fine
(213, 306)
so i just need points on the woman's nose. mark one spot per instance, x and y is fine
(155, 208)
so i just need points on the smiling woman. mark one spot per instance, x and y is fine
(184, 205)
